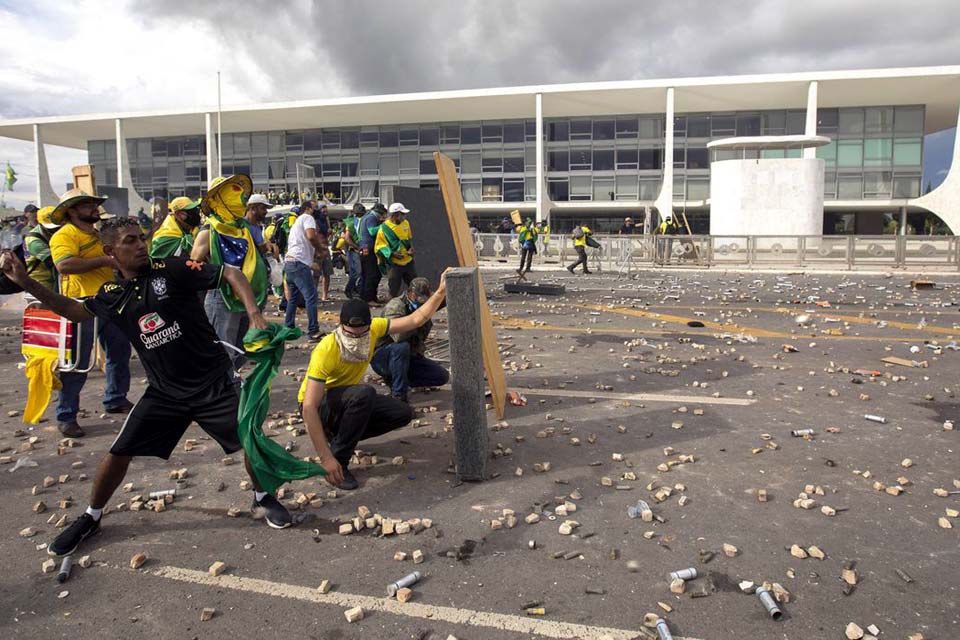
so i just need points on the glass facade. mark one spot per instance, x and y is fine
(874, 153)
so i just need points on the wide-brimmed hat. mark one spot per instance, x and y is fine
(69, 199)
(182, 203)
(239, 179)
(44, 217)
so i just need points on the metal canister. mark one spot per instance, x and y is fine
(799, 433)
(64, 574)
(406, 581)
(663, 630)
(873, 418)
(684, 574)
(766, 598)
(162, 494)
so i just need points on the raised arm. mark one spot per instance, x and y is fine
(423, 313)
(201, 246)
(74, 265)
(312, 401)
(61, 305)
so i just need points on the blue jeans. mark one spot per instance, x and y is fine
(230, 327)
(353, 271)
(403, 369)
(117, 349)
(300, 280)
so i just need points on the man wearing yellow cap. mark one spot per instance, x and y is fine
(39, 262)
(78, 255)
(178, 230)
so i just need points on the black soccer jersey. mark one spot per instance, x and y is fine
(162, 316)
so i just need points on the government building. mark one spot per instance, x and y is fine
(806, 153)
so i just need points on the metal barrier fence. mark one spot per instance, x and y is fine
(624, 253)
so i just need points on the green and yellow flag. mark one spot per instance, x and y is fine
(10, 177)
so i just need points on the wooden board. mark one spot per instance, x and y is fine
(515, 216)
(84, 178)
(467, 254)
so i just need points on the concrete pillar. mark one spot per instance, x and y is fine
(46, 196)
(811, 128)
(902, 227)
(124, 177)
(123, 166)
(664, 202)
(213, 162)
(466, 368)
(540, 174)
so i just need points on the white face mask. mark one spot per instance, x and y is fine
(352, 348)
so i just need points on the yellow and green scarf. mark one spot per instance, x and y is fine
(231, 244)
(171, 240)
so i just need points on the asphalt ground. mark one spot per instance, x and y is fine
(613, 363)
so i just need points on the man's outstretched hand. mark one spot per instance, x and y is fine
(12, 267)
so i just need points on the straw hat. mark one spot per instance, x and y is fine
(70, 198)
(44, 217)
(239, 179)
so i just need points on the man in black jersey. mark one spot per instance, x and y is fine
(190, 376)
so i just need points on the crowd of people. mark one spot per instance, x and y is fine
(184, 292)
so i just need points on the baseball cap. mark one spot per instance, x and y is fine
(30, 208)
(44, 218)
(258, 198)
(355, 313)
(182, 203)
(398, 207)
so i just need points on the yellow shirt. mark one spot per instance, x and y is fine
(582, 242)
(403, 232)
(72, 242)
(326, 366)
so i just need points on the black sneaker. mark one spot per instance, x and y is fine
(316, 335)
(276, 514)
(68, 541)
(402, 397)
(570, 269)
(349, 480)
(71, 429)
(123, 407)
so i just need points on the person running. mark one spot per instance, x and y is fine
(351, 241)
(369, 267)
(177, 231)
(39, 262)
(580, 233)
(84, 267)
(304, 241)
(400, 358)
(339, 411)
(527, 237)
(156, 307)
(394, 248)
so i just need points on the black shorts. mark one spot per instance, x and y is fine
(157, 422)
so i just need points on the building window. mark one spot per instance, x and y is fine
(908, 121)
(603, 160)
(558, 189)
(409, 137)
(773, 123)
(491, 133)
(907, 152)
(429, 137)
(580, 160)
(747, 125)
(627, 187)
(627, 128)
(581, 188)
(558, 160)
(558, 131)
(651, 128)
(879, 120)
(907, 186)
(698, 158)
(850, 187)
(470, 135)
(877, 151)
(627, 159)
(389, 139)
(470, 163)
(877, 184)
(603, 189)
(580, 129)
(850, 153)
(698, 127)
(604, 129)
(513, 190)
(513, 133)
(850, 122)
(492, 189)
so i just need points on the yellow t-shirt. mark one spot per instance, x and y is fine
(72, 242)
(326, 366)
(403, 233)
(582, 241)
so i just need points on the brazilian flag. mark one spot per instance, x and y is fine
(10, 177)
(271, 463)
(231, 244)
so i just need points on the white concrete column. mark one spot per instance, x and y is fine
(213, 162)
(664, 202)
(541, 184)
(46, 196)
(123, 166)
(902, 230)
(135, 201)
(811, 128)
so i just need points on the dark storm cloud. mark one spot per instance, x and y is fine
(372, 46)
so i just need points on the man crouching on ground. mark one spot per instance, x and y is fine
(338, 410)
(190, 377)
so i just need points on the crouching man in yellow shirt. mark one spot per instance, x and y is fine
(338, 410)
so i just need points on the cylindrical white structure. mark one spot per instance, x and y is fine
(775, 196)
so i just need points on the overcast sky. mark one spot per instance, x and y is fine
(105, 56)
